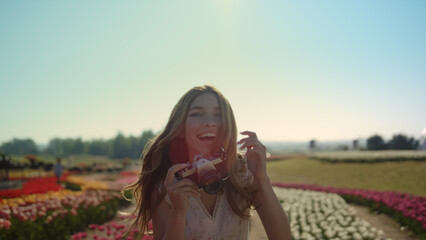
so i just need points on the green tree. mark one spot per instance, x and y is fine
(135, 147)
(55, 147)
(19, 146)
(402, 142)
(66, 146)
(146, 136)
(120, 147)
(376, 142)
(78, 146)
(99, 147)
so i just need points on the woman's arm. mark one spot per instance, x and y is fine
(168, 224)
(270, 211)
(168, 219)
(269, 208)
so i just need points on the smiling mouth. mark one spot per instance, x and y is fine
(207, 137)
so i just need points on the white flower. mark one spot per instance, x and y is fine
(318, 215)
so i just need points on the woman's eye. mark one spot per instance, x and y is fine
(195, 114)
(218, 114)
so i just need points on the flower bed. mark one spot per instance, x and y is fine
(315, 215)
(103, 181)
(32, 186)
(57, 218)
(408, 210)
(87, 185)
(33, 198)
(113, 231)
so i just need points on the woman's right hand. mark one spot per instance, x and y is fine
(179, 191)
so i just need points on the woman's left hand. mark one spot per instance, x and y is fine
(255, 155)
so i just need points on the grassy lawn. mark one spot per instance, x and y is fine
(408, 177)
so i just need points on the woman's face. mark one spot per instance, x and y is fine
(202, 125)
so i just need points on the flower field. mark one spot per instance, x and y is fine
(370, 156)
(33, 186)
(55, 218)
(113, 231)
(103, 181)
(50, 212)
(315, 212)
(406, 209)
(317, 215)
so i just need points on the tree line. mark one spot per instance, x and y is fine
(131, 146)
(398, 142)
(117, 147)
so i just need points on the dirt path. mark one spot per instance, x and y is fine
(385, 223)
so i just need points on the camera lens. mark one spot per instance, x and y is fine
(211, 181)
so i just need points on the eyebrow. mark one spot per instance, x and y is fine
(201, 108)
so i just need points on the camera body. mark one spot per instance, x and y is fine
(207, 174)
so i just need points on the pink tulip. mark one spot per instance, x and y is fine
(93, 226)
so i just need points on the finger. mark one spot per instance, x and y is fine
(252, 143)
(176, 189)
(183, 191)
(251, 134)
(248, 145)
(257, 151)
(252, 150)
(183, 182)
(247, 139)
(243, 140)
(194, 194)
(171, 172)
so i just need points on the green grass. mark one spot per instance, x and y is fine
(370, 156)
(407, 177)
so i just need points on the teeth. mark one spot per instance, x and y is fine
(208, 135)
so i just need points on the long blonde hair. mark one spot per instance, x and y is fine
(156, 159)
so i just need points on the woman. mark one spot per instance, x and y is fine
(201, 123)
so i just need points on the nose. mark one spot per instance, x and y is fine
(210, 121)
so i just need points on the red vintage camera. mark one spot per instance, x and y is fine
(207, 174)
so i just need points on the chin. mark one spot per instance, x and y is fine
(204, 150)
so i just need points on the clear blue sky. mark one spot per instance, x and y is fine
(292, 70)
